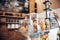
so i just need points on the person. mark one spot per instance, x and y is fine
(57, 18)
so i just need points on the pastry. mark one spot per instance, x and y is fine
(47, 24)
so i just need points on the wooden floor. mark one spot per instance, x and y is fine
(6, 34)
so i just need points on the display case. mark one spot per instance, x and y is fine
(11, 19)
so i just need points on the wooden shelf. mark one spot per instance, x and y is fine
(17, 17)
(12, 15)
(12, 22)
(9, 23)
(13, 28)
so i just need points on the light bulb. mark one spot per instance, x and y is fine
(48, 14)
(48, 3)
(47, 6)
(26, 4)
(20, 7)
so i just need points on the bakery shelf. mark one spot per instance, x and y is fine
(9, 23)
(17, 17)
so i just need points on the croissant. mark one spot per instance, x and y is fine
(26, 28)
(42, 26)
(47, 24)
(45, 36)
